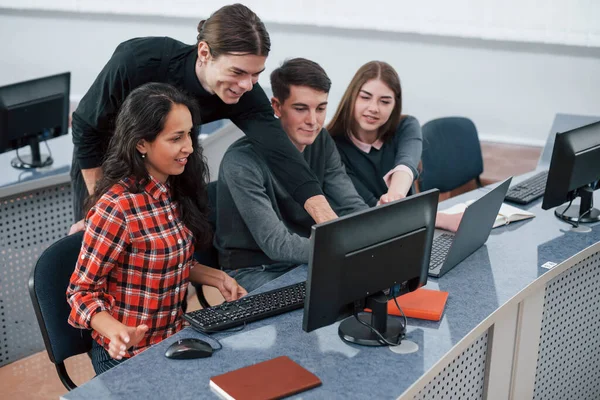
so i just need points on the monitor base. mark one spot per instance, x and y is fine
(572, 214)
(352, 331)
(29, 162)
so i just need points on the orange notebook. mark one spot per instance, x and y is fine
(422, 303)
(272, 379)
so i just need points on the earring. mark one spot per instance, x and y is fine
(143, 155)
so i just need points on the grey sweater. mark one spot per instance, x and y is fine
(258, 221)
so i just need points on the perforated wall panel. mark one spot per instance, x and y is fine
(568, 365)
(29, 223)
(463, 378)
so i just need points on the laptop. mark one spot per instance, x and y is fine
(475, 226)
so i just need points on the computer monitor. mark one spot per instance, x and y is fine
(562, 123)
(355, 258)
(574, 172)
(31, 111)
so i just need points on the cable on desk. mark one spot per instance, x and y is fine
(31, 165)
(573, 224)
(239, 328)
(375, 331)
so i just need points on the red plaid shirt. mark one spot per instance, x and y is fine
(134, 263)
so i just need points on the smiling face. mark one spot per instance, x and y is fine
(372, 109)
(302, 114)
(167, 154)
(228, 76)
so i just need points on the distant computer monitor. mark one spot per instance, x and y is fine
(562, 123)
(355, 258)
(574, 172)
(31, 111)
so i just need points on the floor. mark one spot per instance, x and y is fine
(35, 377)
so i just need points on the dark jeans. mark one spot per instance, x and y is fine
(251, 278)
(101, 360)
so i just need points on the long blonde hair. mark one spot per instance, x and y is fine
(343, 122)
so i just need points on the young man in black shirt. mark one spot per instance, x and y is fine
(221, 72)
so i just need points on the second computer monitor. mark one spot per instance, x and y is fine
(354, 258)
(574, 172)
(31, 111)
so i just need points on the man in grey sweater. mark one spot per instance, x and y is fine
(261, 231)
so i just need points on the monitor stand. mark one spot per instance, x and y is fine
(352, 331)
(35, 160)
(585, 213)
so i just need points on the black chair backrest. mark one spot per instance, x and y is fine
(212, 202)
(451, 154)
(210, 256)
(48, 284)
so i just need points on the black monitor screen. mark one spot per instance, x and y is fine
(574, 172)
(30, 111)
(355, 258)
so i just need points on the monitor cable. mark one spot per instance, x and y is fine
(379, 335)
(573, 224)
(239, 328)
(45, 164)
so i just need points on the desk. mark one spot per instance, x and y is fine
(497, 311)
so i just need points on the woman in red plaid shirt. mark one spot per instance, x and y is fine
(148, 213)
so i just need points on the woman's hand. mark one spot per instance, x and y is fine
(121, 336)
(389, 197)
(230, 289)
(228, 286)
(449, 222)
(76, 227)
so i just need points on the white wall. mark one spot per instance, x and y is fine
(511, 90)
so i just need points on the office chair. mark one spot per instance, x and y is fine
(48, 283)
(209, 256)
(451, 155)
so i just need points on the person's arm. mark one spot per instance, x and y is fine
(337, 184)
(104, 241)
(93, 120)
(408, 142)
(449, 222)
(245, 180)
(254, 116)
(399, 182)
(228, 286)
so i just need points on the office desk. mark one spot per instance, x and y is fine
(494, 317)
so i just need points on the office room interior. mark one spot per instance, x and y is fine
(509, 66)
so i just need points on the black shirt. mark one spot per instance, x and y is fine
(368, 169)
(138, 61)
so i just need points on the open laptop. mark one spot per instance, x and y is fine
(475, 226)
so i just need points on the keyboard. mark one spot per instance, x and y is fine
(529, 190)
(439, 250)
(247, 309)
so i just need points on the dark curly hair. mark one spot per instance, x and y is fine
(143, 116)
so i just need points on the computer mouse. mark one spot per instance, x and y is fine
(185, 349)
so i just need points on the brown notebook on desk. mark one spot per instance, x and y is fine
(271, 379)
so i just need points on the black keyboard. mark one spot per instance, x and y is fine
(530, 189)
(439, 250)
(248, 308)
